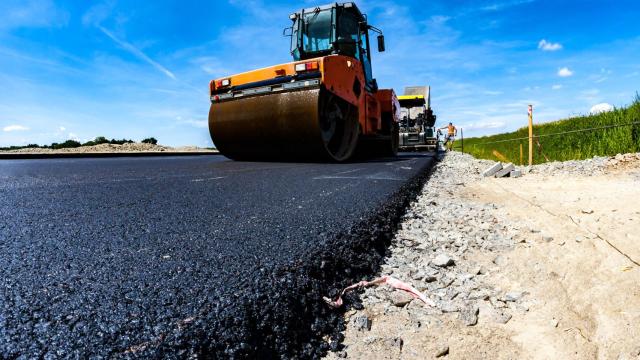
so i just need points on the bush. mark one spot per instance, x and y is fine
(97, 141)
(66, 144)
(120, 142)
(150, 140)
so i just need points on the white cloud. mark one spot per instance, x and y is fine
(202, 124)
(73, 136)
(137, 52)
(505, 5)
(600, 108)
(98, 13)
(62, 128)
(565, 72)
(492, 93)
(485, 125)
(556, 87)
(545, 45)
(15, 128)
(31, 13)
(439, 19)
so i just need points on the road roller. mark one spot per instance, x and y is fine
(324, 105)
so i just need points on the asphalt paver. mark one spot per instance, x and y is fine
(190, 256)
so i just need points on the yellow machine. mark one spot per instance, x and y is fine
(323, 105)
(417, 120)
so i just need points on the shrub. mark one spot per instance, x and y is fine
(120, 142)
(66, 144)
(150, 140)
(97, 141)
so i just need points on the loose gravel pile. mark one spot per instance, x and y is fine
(431, 248)
(452, 249)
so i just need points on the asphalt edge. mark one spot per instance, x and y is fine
(295, 322)
(369, 243)
(27, 156)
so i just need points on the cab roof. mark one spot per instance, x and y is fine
(346, 5)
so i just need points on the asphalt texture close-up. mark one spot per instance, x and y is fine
(173, 257)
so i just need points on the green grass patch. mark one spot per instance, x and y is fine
(575, 141)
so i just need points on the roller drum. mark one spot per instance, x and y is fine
(307, 124)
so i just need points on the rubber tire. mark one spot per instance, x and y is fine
(394, 142)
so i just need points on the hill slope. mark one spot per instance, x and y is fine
(612, 132)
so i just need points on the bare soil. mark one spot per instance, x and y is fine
(573, 261)
(110, 148)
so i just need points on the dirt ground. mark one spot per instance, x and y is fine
(574, 266)
(110, 148)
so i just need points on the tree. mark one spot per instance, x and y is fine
(66, 144)
(120, 142)
(97, 141)
(150, 140)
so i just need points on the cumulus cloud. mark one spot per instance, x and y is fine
(545, 45)
(11, 128)
(601, 108)
(565, 72)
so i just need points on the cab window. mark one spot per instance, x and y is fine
(348, 31)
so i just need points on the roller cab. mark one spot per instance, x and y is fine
(322, 106)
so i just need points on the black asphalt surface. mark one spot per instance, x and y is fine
(171, 257)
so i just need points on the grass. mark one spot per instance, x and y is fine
(570, 146)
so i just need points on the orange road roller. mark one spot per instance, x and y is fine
(325, 105)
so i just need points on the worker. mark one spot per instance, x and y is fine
(452, 132)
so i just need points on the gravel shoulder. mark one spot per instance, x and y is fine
(543, 266)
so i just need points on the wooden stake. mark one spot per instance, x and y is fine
(521, 155)
(530, 135)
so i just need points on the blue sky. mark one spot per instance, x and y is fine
(79, 69)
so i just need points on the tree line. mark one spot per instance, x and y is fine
(74, 144)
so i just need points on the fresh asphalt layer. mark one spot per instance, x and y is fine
(171, 257)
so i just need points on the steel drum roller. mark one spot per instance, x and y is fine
(305, 124)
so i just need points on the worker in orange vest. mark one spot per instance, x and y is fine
(452, 132)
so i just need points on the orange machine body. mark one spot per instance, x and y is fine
(340, 75)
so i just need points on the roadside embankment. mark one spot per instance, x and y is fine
(542, 266)
(106, 150)
(580, 137)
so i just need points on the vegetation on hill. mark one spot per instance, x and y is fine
(150, 140)
(581, 137)
(74, 144)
